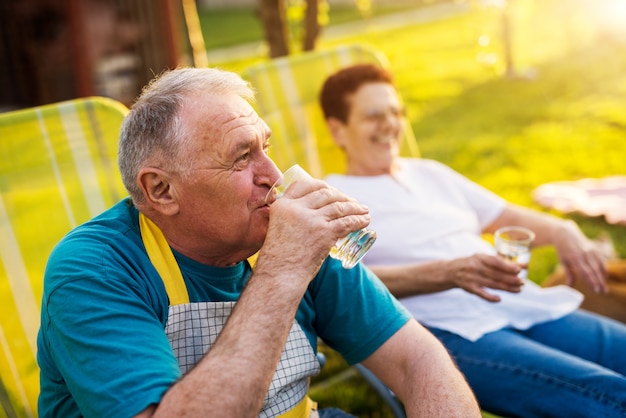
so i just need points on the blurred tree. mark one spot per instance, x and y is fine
(311, 25)
(285, 22)
(273, 16)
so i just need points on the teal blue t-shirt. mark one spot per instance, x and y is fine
(102, 349)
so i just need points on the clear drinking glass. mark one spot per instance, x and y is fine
(350, 249)
(513, 243)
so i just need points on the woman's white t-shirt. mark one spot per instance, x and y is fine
(430, 212)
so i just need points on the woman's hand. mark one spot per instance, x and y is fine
(479, 272)
(581, 257)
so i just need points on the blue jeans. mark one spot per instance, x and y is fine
(571, 367)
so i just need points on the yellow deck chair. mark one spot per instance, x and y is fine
(287, 90)
(58, 169)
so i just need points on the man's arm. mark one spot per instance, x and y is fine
(419, 370)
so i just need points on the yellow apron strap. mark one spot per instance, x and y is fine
(162, 258)
(306, 408)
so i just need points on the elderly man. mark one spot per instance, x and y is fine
(151, 308)
(525, 351)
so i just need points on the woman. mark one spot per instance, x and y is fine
(525, 350)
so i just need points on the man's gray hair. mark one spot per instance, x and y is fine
(152, 133)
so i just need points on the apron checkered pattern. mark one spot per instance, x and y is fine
(193, 328)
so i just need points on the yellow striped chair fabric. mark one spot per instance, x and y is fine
(58, 169)
(287, 90)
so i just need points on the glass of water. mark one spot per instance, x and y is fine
(513, 244)
(350, 249)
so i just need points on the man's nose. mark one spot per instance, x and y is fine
(268, 172)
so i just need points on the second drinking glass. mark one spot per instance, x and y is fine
(513, 243)
(350, 249)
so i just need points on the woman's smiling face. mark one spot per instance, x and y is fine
(371, 136)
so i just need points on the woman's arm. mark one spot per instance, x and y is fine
(475, 274)
(580, 256)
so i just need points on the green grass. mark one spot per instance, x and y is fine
(508, 134)
(227, 26)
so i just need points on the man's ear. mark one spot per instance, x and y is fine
(336, 128)
(158, 190)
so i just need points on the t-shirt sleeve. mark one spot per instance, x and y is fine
(103, 334)
(355, 313)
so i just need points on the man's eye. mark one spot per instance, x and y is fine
(242, 160)
(243, 157)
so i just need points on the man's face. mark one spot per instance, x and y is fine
(222, 208)
(371, 136)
